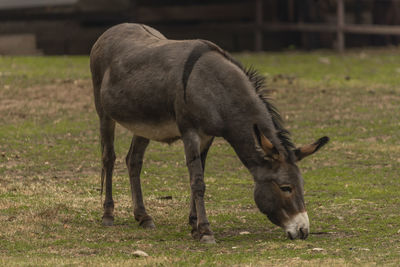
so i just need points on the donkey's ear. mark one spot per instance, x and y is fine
(266, 145)
(307, 150)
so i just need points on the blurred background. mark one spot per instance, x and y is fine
(72, 26)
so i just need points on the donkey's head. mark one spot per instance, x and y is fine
(279, 191)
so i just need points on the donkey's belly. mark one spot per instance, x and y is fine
(163, 132)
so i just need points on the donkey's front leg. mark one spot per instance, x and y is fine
(192, 143)
(193, 213)
(134, 161)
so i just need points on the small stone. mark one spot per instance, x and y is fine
(139, 253)
(324, 60)
(398, 231)
(207, 239)
(318, 249)
(244, 233)
(363, 55)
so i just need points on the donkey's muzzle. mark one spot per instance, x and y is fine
(298, 226)
(302, 234)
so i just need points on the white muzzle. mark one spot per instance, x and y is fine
(298, 226)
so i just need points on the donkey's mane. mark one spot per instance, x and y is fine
(263, 93)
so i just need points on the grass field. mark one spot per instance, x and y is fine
(50, 206)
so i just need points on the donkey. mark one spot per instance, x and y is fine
(165, 90)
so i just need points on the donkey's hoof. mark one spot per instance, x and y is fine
(207, 239)
(195, 234)
(148, 224)
(108, 221)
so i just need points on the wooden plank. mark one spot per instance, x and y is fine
(301, 27)
(319, 27)
(18, 44)
(223, 27)
(373, 29)
(103, 5)
(220, 12)
(21, 4)
(291, 10)
(340, 26)
(258, 32)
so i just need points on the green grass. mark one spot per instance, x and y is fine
(28, 71)
(50, 207)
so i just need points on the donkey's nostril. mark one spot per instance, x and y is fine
(290, 235)
(303, 233)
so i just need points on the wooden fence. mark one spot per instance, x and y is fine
(341, 28)
(235, 25)
(256, 21)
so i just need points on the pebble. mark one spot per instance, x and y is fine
(318, 249)
(139, 253)
(244, 233)
(324, 60)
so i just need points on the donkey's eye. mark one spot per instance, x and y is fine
(286, 189)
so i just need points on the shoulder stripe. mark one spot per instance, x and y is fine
(192, 59)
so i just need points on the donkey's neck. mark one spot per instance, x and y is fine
(248, 151)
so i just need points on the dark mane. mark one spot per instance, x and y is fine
(263, 93)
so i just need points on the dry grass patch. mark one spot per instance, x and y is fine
(49, 100)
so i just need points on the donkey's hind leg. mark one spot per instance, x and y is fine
(134, 161)
(107, 127)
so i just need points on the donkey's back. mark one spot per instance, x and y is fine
(154, 86)
(137, 74)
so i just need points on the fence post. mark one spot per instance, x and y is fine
(258, 31)
(340, 26)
